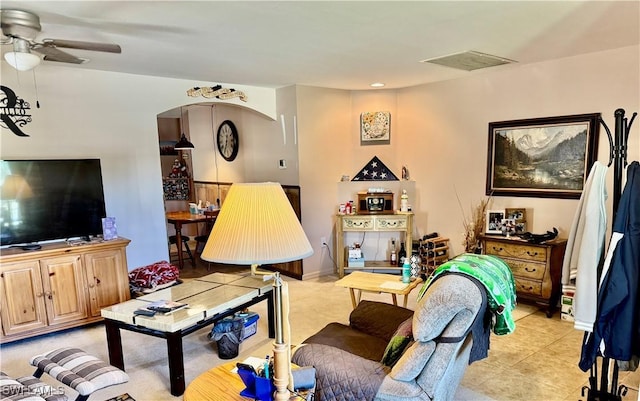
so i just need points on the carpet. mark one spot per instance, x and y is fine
(122, 397)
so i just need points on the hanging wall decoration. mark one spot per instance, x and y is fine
(13, 111)
(375, 128)
(375, 170)
(218, 92)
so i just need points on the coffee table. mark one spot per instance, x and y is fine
(210, 299)
(378, 283)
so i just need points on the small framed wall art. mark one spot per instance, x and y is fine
(375, 128)
(494, 221)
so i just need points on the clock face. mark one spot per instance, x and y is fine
(228, 140)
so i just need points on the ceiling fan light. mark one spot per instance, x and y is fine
(22, 61)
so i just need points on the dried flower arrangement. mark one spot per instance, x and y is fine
(474, 226)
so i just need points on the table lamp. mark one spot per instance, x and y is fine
(257, 225)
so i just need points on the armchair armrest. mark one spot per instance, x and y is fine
(378, 319)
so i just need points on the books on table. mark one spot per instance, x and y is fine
(166, 307)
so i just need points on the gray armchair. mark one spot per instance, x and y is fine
(348, 358)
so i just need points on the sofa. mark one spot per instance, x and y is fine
(352, 363)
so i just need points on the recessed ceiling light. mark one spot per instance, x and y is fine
(377, 85)
(469, 60)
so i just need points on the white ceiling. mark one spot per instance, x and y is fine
(345, 45)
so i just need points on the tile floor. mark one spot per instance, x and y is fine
(538, 362)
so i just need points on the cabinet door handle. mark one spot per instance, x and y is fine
(49, 295)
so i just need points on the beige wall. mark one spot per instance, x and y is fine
(440, 132)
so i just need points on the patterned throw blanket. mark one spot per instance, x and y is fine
(496, 277)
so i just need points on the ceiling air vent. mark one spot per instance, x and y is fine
(469, 60)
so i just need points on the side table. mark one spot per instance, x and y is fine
(221, 383)
(378, 283)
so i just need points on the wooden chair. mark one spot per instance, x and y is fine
(201, 239)
(185, 245)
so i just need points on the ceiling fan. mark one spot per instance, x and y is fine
(20, 28)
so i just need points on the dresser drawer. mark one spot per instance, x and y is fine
(359, 223)
(528, 270)
(531, 287)
(392, 223)
(516, 250)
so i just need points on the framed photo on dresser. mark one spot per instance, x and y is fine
(494, 221)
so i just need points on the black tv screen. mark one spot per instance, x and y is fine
(44, 200)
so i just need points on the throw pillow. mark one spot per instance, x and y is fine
(398, 343)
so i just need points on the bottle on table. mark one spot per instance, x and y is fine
(402, 254)
(406, 271)
(393, 256)
(404, 201)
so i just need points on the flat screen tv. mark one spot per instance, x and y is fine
(43, 200)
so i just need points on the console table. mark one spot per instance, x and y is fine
(401, 222)
(536, 268)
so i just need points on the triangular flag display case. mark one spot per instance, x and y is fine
(375, 170)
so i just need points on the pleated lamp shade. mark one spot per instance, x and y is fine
(256, 226)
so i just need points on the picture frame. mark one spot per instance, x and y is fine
(508, 227)
(167, 148)
(541, 157)
(493, 222)
(519, 216)
(375, 128)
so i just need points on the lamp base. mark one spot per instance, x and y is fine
(281, 371)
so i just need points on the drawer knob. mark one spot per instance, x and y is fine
(497, 249)
(530, 269)
(532, 253)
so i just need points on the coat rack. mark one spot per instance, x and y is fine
(618, 157)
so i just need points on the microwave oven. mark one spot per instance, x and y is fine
(375, 203)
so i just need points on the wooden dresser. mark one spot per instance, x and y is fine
(537, 268)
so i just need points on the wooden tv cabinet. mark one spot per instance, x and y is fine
(60, 286)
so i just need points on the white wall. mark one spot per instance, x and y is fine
(112, 117)
(261, 140)
(440, 132)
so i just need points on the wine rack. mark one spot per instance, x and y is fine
(434, 251)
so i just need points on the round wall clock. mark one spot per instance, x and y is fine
(228, 140)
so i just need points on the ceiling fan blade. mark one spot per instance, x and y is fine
(76, 44)
(53, 54)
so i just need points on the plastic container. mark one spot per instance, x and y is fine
(250, 320)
